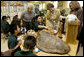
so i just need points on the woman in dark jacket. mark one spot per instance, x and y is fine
(78, 11)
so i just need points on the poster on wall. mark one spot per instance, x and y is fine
(3, 3)
(2, 10)
(14, 8)
(11, 9)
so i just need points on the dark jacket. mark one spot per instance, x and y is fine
(23, 53)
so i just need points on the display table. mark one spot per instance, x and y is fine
(71, 53)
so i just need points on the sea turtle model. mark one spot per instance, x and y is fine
(50, 43)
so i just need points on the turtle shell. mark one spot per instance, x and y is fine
(50, 43)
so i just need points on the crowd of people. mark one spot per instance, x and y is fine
(30, 20)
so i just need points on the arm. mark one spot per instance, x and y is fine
(12, 43)
(12, 50)
(40, 26)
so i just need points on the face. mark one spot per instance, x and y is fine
(52, 9)
(71, 6)
(30, 9)
(7, 19)
(39, 19)
(17, 16)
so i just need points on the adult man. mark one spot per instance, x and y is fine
(27, 17)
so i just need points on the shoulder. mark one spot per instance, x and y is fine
(57, 10)
(2, 22)
(47, 15)
(12, 37)
(33, 13)
(48, 11)
(80, 10)
(7, 23)
(18, 53)
(24, 12)
(34, 55)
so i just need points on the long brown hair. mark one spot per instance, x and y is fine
(76, 5)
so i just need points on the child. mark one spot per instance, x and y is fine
(39, 24)
(15, 20)
(8, 19)
(23, 29)
(12, 40)
(29, 44)
(4, 25)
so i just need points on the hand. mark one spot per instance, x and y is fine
(55, 31)
(43, 26)
(11, 50)
(20, 42)
(46, 27)
(34, 52)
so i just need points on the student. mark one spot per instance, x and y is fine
(29, 44)
(8, 19)
(12, 41)
(22, 28)
(39, 24)
(15, 20)
(5, 25)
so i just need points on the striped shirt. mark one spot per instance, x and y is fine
(27, 17)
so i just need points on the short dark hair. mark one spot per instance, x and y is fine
(49, 5)
(15, 17)
(30, 42)
(4, 17)
(15, 21)
(52, 6)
